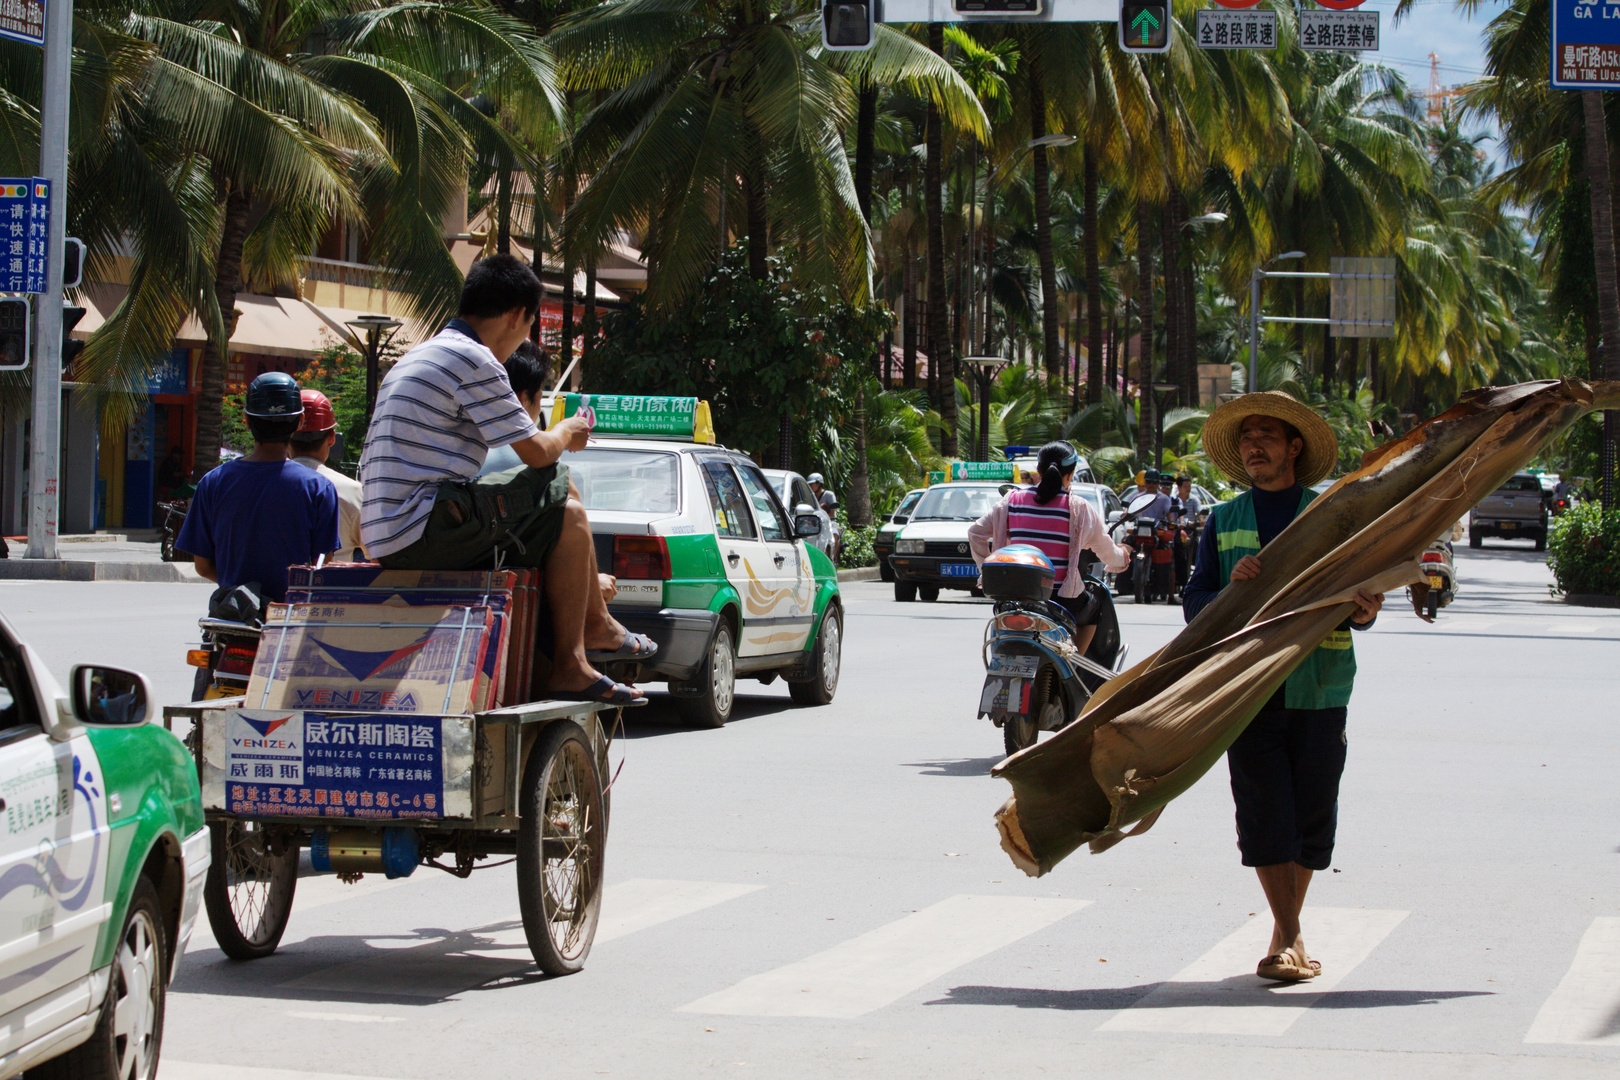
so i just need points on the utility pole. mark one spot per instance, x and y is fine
(45, 444)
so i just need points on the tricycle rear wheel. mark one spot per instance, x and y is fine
(560, 848)
(249, 889)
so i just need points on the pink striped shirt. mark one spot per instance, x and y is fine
(1043, 527)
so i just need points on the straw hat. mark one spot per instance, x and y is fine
(1223, 429)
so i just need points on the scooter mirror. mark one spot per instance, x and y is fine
(1141, 503)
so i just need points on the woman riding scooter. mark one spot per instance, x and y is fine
(1047, 518)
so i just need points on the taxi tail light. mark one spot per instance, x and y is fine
(197, 657)
(641, 558)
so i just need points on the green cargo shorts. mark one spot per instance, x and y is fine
(517, 513)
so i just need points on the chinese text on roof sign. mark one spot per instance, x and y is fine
(637, 414)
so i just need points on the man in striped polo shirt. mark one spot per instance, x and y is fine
(439, 411)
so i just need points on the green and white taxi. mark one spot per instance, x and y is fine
(102, 863)
(709, 563)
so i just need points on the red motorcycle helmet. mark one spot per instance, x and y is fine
(318, 416)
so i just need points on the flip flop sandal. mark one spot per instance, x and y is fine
(1280, 967)
(604, 690)
(633, 647)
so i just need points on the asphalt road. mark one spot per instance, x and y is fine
(819, 892)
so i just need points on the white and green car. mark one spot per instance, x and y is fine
(102, 862)
(709, 563)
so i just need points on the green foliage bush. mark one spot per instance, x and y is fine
(1584, 551)
(856, 550)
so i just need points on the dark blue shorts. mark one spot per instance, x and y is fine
(1285, 780)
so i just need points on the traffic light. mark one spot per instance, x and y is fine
(847, 27)
(72, 262)
(15, 319)
(1144, 26)
(71, 347)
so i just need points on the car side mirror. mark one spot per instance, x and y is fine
(807, 524)
(803, 508)
(900, 519)
(109, 695)
(1114, 516)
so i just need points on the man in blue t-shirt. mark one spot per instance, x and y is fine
(254, 517)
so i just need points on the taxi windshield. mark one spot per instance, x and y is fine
(646, 481)
(955, 504)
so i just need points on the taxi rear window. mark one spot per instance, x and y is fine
(645, 481)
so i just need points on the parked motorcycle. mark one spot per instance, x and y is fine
(174, 516)
(1035, 678)
(1439, 587)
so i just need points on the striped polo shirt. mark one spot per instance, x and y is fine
(1044, 527)
(439, 410)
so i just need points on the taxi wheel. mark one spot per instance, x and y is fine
(716, 684)
(823, 682)
(928, 593)
(249, 890)
(885, 571)
(129, 1032)
(905, 592)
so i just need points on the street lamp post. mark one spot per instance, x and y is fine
(1162, 392)
(1254, 314)
(984, 368)
(371, 328)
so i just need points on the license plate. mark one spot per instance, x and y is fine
(1024, 667)
(1508, 525)
(1436, 583)
(957, 569)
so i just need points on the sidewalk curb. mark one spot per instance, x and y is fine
(15, 569)
(863, 573)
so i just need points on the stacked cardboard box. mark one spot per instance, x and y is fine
(358, 636)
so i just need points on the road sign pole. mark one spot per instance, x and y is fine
(1254, 330)
(45, 445)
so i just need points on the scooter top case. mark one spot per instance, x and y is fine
(1017, 572)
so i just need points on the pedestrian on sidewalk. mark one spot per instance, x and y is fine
(1286, 764)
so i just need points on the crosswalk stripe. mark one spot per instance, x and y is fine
(868, 972)
(1586, 1006)
(466, 959)
(186, 1070)
(1219, 994)
(633, 905)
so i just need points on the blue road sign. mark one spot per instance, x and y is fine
(25, 226)
(1586, 44)
(23, 20)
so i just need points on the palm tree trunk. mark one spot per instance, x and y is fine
(1189, 327)
(587, 330)
(860, 491)
(1144, 309)
(1094, 312)
(565, 348)
(941, 360)
(1043, 220)
(908, 332)
(503, 209)
(1608, 285)
(227, 281)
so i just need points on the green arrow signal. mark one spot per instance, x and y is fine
(1147, 21)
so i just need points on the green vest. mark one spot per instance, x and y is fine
(1324, 679)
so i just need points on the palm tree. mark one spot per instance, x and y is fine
(279, 141)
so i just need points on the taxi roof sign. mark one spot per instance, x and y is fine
(639, 414)
(984, 470)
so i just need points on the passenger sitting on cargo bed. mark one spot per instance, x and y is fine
(424, 506)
